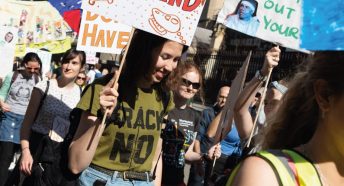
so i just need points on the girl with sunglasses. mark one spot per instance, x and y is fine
(182, 125)
(14, 99)
(81, 80)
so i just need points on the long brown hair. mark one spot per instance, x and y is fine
(298, 115)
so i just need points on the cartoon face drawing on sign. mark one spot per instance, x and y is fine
(162, 22)
(92, 2)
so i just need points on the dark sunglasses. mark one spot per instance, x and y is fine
(188, 83)
(83, 78)
(30, 68)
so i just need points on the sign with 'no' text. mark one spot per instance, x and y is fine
(100, 34)
(172, 19)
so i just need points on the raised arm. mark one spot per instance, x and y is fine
(242, 116)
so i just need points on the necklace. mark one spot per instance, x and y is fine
(323, 179)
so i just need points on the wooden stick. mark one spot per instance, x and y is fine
(259, 108)
(119, 71)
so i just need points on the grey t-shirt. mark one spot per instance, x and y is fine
(20, 93)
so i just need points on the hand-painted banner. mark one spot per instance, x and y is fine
(55, 47)
(37, 22)
(100, 34)
(172, 19)
(8, 40)
(322, 26)
(271, 20)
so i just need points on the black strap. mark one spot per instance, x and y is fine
(156, 165)
(14, 77)
(42, 100)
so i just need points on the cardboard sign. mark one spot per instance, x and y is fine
(322, 27)
(172, 19)
(8, 40)
(100, 34)
(271, 20)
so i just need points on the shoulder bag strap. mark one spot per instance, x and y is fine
(42, 100)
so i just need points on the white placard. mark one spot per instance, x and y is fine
(101, 34)
(274, 20)
(172, 19)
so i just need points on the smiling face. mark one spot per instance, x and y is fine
(166, 59)
(9, 37)
(32, 67)
(71, 68)
(81, 79)
(189, 85)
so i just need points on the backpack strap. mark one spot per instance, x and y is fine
(42, 100)
(14, 77)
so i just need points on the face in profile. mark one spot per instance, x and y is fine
(167, 59)
(272, 101)
(222, 96)
(8, 37)
(246, 10)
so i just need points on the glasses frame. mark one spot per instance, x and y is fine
(187, 83)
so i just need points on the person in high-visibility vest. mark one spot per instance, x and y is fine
(307, 134)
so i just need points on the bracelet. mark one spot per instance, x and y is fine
(24, 148)
(259, 76)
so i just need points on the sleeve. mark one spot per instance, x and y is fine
(90, 99)
(42, 86)
(6, 86)
(170, 104)
(198, 126)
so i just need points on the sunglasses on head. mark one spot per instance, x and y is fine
(83, 78)
(188, 83)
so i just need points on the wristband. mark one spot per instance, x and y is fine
(260, 77)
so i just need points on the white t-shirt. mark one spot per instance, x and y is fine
(57, 105)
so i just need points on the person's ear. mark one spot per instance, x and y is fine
(322, 94)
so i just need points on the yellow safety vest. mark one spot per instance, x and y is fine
(306, 172)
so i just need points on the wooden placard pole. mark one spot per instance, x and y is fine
(259, 108)
(119, 72)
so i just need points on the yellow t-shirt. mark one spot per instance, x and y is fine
(131, 146)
